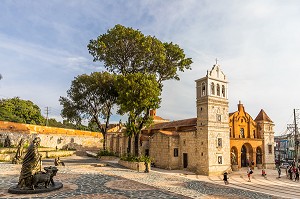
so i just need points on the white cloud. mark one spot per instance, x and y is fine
(256, 42)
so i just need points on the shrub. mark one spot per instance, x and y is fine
(105, 153)
(131, 158)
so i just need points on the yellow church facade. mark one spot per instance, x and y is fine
(250, 142)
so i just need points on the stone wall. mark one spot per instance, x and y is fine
(162, 151)
(51, 136)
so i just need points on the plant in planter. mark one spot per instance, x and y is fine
(105, 153)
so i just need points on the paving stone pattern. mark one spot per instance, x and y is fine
(82, 178)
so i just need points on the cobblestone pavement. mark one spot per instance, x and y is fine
(84, 177)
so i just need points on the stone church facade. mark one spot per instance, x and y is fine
(210, 143)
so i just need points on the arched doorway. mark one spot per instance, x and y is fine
(244, 156)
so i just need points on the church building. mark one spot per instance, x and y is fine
(213, 142)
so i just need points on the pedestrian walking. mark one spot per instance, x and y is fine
(279, 171)
(263, 173)
(249, 172)
(252, 164)
(297, 175)
(290, 173)
(225, 178)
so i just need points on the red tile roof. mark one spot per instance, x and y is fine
(262, 116)
(174, 124)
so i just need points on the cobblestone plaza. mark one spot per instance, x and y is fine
(83, 177)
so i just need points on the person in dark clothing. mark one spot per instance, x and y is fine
(225, 178)
(297, 174)
(279, 172)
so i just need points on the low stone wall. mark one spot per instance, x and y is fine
(108, 158)
(14, 150)
(50, 136)
(138, 166)
(6, 157)
(52, 154)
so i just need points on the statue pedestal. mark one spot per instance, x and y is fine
(40, 189)
(235, 167)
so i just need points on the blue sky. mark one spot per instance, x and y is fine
(43, 47)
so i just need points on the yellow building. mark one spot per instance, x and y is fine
(251, 140)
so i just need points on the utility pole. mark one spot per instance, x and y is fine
(47, 110)
(294, 129)
(296, 138)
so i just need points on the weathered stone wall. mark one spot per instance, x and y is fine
(162, 151)
(51, 136)
(188, 145)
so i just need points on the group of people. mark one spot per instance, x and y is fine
(292, 172)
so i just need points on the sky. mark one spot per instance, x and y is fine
(43, 46)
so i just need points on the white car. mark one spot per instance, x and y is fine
(284, 165)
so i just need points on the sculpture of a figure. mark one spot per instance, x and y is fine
(58, 162)
(31, 164)
(7, 142)
(233, 158)
(19, 153)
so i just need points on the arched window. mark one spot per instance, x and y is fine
(258, 155)
(203, 87)
(242, 134)
(218, 89)
(223, 91)
(212, 88)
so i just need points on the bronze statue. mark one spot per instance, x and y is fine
(58, 162)
(18, 157)
(7, 142)
(32, 179)
(31, 164)
(44, 177)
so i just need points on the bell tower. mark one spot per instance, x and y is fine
(213, 122)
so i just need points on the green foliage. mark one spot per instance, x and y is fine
(90, 97)
(138, 93)
(105, 153)
(131, 158)
(136, 57)
(20, 111)
(125, 50)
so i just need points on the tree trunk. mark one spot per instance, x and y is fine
(104, 141)
(129, 145)
(136, 144)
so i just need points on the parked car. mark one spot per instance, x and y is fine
(284, 165)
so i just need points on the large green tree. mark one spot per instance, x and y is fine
(125, 51)
(138, 93)
(21, 111)
(91, 97)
